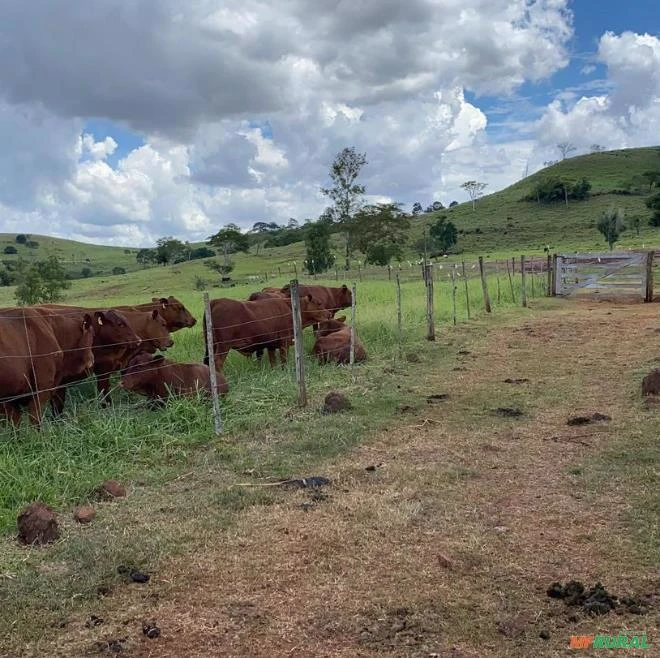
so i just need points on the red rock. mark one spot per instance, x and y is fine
(651, 383)
(112, 489)
(37, 524)
(84, 514)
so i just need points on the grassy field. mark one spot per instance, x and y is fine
(500, 226)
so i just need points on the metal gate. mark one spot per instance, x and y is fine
(618, 272)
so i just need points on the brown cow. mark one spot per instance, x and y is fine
(175, 314)
(158, 377)
(266, 293)
(252, 326)
(332, 299)
(333, 343)
(38, 352)
(151, 330)
(114, 339)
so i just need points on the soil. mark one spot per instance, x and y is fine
(37, 524)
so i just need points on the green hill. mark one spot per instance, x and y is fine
(502, 224)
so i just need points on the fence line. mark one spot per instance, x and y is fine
(431, 269)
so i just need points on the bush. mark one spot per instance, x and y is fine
(118, 270)
(200, 284)
(86, 272)
(21, 238)
(31, 244)
(11, 250)
(6, 279)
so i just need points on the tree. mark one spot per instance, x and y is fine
(201, 252)
(636, 223)
(417, 208)
(230, 240)
(652, 178)
(21, 238)
(10, 249)
(453, 203)
(118, 270)
(565, 148)
(610, 224)
(146, 256)
(261, 232)
(168, 249)
(442, 236)
(317, 242)
(41, 282)
(653, 204)
(221, 268)
(380, 231)
(437, 206)
(345, 193)
(474, 189)
(86, 272)
(596, 148)
(555, 188)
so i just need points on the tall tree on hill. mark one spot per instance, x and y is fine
(346, 193)
(417, 208)
(474, 189)
(611, 225)
(41, 282)
(596, 148)
(167, 250)
(565, 148)
(230, 240)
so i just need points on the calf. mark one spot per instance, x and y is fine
(37, 352)
(333, 343)
(157, 377)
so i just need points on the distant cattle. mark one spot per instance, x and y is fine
(38, 351)
(175, 314)
(333, 343)
(158, 377)
(253, 326)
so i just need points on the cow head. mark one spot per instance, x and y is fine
(140, 369)
(112, 328)
(85, 345)
(343, 297)
(176, 315)
(311, 311)
(330, 326)
(157, 334)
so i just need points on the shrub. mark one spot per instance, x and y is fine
(21, 238)
(118, 270)
(31, 244)
(11, 249)
(200, 284)
(86, 272)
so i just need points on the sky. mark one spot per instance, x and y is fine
(122, 121)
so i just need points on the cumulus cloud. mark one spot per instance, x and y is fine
(629, 114)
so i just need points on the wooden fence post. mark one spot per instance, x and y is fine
(549, 275)
(523, 290)
(298, 338)
(532, 276)
(279, 271)
(389, 272)
(513, 265)
(353, 314)
(467, 294)
(217, 419)
(428, 276)
(484, 286)
(513, 292)
(497, 275)
(556, 279)
(648, 277)
(398, 312)
(453, 292)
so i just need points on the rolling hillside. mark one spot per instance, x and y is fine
(501, 225)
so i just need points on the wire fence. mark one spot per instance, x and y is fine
(410, 302)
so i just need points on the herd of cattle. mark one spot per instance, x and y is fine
(44, 348)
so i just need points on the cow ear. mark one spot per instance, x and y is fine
(100, 318)
(163, 302)
(344, 287)
(154, 314)
(309, 298)
(87, 321)
(341, 318)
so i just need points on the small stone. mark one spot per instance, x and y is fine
(84, 514)
(112, 489)
(651, 383)
(544, 635)
(150, 629)
(335, 402)
(445, 561)
(37, 524)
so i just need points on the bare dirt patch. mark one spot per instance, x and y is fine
(448, 546)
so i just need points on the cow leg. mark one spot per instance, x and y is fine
(37, 405)
(57, 401)
(103, 387)
(219, 359)
(12, 411)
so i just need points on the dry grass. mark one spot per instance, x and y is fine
(446, 548)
